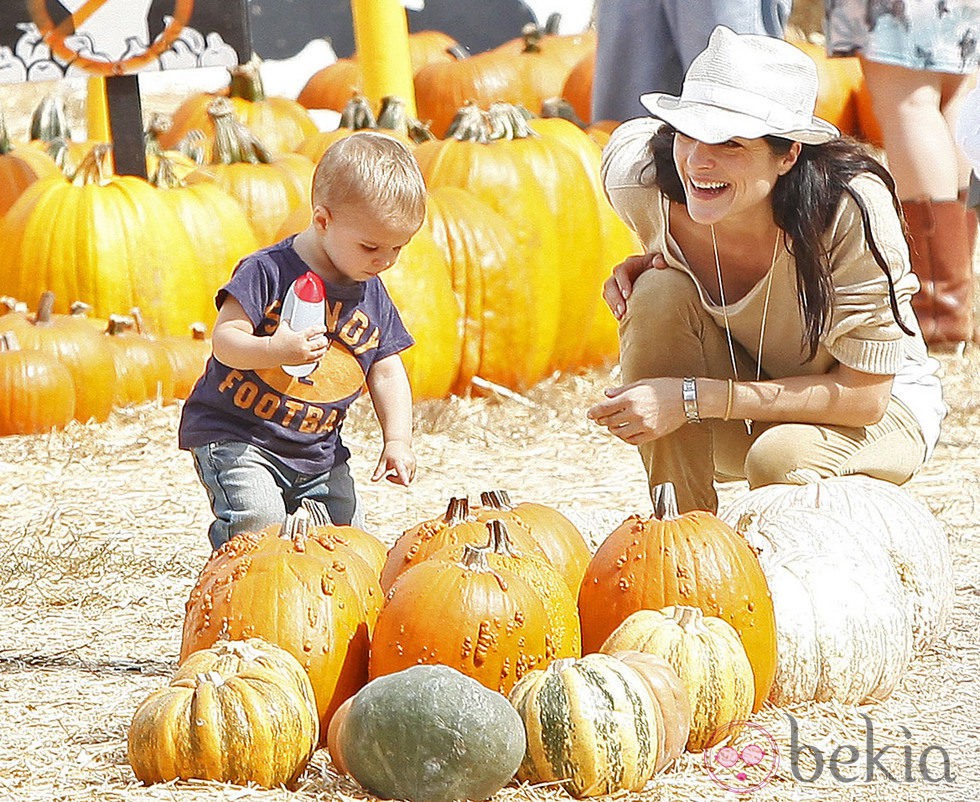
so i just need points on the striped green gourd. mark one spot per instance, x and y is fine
(590, 723)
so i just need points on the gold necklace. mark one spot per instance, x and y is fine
(765, 311)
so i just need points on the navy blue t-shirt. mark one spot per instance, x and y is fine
(297, 419)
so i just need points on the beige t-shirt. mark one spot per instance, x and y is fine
(861, 333)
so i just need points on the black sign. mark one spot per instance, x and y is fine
(42, 40)
(280, 28)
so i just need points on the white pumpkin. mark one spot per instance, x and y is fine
(842, 617)
(904, 528)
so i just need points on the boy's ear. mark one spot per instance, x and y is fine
(321, 217)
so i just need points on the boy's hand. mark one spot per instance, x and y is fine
(299, 347)
(397, 463)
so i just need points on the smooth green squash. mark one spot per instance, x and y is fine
(429, 733)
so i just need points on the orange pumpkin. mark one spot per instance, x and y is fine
(188, 356)
(296, 590)
(454, 528)
(76, 345)
(577, 88)
(267, 187)
(485, 622)
(117, 244)
(143, 368)
(36, 390)
(559, 539)
(541, 575)
(280, 123)
(669, 559)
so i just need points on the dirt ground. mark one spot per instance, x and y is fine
(103, 534)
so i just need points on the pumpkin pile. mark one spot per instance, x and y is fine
(493, 628)
(62, 367)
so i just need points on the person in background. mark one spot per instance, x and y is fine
(918, 58)
(647, 45)
(767, 333)
(264, 436)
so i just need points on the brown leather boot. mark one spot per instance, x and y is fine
(943, 261)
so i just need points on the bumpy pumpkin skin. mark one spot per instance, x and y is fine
(707, 655)
(240, 712)
(693, 559)
(487, 623)
(430, 734)
(591, 725)
(316, 600)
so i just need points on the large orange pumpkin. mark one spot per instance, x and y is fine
(19, 168)
(281, 123)
(117, 244)
(487, 623)
(668, 559)
(284, 585)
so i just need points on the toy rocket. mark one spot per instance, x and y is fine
(303, 307)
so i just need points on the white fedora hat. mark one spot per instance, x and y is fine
(747, 86)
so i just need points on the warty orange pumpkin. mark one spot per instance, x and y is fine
(694, 559)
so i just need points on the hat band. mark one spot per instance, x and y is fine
(743, 101)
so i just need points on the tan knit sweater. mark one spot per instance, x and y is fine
(862, 332)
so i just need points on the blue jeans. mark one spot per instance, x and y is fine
(250, 488)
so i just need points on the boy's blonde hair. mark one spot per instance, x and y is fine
(371, 169)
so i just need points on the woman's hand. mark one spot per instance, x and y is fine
(642, 411)
(618, 287)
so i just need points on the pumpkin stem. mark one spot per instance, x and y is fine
(296, 528)
(199, 331)
(158, 124)
(508, 121)
(497, 499)
(562, 109)
(553, 23)
(246, 81)
(193, 145)
(499, 541)
(233, 142)
(60, 154)
(9, 341)
(457, 511)
(393, 115)
(532, 34)
(687, 617)
(458, 51)
(118, 324)
(45, 307)
(5, 146)
(137, 315)
(9, 304)
(80, 309)
(470, 124)
(94, 168)
(357, 114)
(49, 121)
(210, 676)
(165, 175)
(665, 502)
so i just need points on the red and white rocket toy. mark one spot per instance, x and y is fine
(303, 307)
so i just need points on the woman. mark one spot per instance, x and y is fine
(768, 332)
(918, 58)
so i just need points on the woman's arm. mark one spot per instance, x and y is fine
(234, 344)
(650, 408)
(391, 395)
(619, 286)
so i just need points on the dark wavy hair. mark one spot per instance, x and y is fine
(804, 201)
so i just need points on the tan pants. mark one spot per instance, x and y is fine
(666, 332)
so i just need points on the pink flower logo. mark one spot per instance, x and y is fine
(745, 759)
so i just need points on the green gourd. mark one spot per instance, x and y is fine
(429, 733)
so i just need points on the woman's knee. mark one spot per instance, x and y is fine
(782, 455)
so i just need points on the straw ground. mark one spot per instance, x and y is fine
(102, 534)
